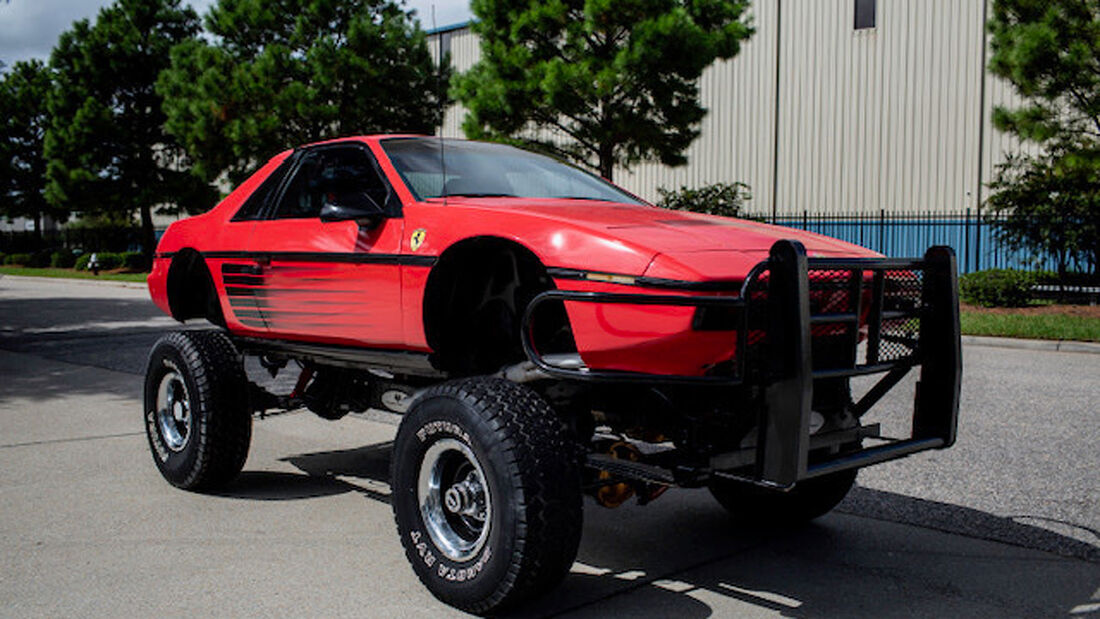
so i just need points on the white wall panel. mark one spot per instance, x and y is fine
(883, 118)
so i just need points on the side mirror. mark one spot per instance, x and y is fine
(358, 206)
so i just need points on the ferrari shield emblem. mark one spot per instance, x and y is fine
(417, 238)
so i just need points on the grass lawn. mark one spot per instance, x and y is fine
(1052, 322)
(72, 274)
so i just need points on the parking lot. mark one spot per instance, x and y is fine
(1007, 523)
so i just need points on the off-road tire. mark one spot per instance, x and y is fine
(531, 466)
(216, 444)
(755, 506)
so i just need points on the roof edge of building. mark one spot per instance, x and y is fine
(449, 27)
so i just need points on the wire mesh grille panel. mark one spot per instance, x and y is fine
(901, 309)
(859, 316)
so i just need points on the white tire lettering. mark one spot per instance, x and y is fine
(447, 427)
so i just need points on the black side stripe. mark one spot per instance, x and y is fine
(428, 261)
(642, 281)
(341, 257)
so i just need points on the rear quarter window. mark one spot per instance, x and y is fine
(253, 208)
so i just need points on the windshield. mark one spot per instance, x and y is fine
(481, 169)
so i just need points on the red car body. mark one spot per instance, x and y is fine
(339, 283)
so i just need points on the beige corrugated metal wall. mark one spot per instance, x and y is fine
(885, 118)
(738, 134)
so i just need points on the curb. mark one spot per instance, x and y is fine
(1021, 344)
(76, 280)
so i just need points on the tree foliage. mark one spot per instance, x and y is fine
(1050, 51)
(106, 148)
(23, 120)
(601, 82)
(1052, 205)
(725, 199)
(279, 73)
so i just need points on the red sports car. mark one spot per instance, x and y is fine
(546, 335)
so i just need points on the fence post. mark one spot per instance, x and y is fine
(882, 230)
(978, 240)
(966, 242)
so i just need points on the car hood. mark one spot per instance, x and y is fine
(667, 231)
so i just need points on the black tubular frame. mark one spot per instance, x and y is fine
(786, 373)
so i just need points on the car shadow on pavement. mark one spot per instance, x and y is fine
(85, 334)
(365, 470)
(71, 314)
(282, 486)
(892, 507)
(39, 376)
(681, 557)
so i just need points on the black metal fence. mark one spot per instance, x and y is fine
(974, 239)
(88, 239)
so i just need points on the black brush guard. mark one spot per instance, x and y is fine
(910, 318)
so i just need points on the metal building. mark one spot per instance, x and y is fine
(859, 107)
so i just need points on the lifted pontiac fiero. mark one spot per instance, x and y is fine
(545, 335)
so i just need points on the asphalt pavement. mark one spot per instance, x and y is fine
(1006, 523)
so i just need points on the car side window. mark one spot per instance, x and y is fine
(326, 176)
(253, 207)
(301, 198)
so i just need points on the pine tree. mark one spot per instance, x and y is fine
(279, 73)
(1050, 51)
(23, 119)
(106, 149)
(600, 82)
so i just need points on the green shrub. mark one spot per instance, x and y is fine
(20, 259)
(62, 259)
(134, 260)
(725, 199)
(109, 260)
(997, 288)
(40, 259)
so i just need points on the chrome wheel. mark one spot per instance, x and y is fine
(454, 499)
(174, 419)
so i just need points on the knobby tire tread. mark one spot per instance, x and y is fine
(547, 470)
(225, 423)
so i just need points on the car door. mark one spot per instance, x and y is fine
(329, 282)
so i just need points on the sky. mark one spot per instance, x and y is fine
(29, 28)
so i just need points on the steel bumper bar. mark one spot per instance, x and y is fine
(785, 370)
